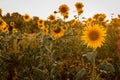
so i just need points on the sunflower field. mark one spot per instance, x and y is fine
(32, 48)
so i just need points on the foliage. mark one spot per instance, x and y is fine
(30, 51)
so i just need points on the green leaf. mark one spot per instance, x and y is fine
(108, 67)
(82, 74)
(89, 57)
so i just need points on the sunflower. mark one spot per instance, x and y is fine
(1, 37)
(26, 18)
(45, 30)
(14, 30)
(52, 18)
(40, 22)
(63, 9)
(79, 6)
(101, 18)
(89, 21)
(12, 24)
(57, 32)
(80, 12)
(5, 29)
(94, 36)
(2, 24)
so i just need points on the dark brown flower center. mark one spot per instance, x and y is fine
(57, 30)
(79, 6)
(63, 10)
(52, 18)
(26, 17)
(101, 19)
(93, 35)
(40, 21)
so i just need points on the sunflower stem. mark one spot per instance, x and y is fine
(78, 17)
(93, 70)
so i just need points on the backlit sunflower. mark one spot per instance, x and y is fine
(94, 36)
(79, 6)
(52, 18)
(89, 21)
(63, 9)
(57, 32)
(99, 17)
(26, 18)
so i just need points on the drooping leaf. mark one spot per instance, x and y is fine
(88, 57)
(82, 74)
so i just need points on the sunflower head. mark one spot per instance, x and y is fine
(1, 37)
(57, 32)
(2, 24)
(89, 21)
(45, 30)
(99, 17)
(52, 18)
(14, 30)
(12, 24)
(5, 29)
(41, 26)
(40, 22)
(63, 9)
(26, 18)
(94, 36)
(79, 6)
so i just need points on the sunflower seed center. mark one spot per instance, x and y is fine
(93, 35)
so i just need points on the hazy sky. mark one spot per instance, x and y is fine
(43, 8)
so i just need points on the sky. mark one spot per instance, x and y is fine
(43, 8)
